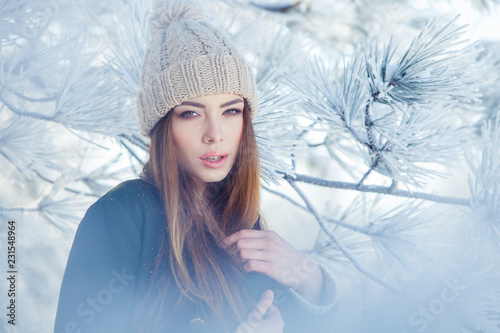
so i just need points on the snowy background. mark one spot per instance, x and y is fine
(378, 133)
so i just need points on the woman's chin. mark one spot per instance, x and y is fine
(213, 176)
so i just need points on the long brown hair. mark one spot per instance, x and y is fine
(197, 223)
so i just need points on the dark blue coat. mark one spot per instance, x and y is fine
(109, 270)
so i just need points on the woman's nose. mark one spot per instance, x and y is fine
(213, 131)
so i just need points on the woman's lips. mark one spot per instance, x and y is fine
(214, 159)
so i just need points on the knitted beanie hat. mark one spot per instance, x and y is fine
(187, 58)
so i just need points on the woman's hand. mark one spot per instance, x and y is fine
(266, 252)
(264, 318)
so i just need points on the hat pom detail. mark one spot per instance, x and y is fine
(169, 11)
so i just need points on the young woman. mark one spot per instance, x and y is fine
(183, 249)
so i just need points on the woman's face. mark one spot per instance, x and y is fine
(207, 132)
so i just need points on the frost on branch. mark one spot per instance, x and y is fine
(55, 74)
(24, 146)
(397, 243)
(69, 72)
(273, 125)
(128, 45)
(485, 188)
(436, 68)
(399, 114)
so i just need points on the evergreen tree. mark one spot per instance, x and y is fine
(378, 130)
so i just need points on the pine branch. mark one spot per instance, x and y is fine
(377, 189)
(485, 188)
(136, 141)
(18, 209)
(353, 227)
(379, 158)
(435, 68)
(131, 152)
(407, 122)
(337, 242)
(23, 113)
(65, 188)
(272, 127)
(279, 8)
(365, 176)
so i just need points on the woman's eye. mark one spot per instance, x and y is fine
(188, 114)
(232, 112)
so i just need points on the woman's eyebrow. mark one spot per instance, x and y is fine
(234, 101)
(198, 105)
(202, 106)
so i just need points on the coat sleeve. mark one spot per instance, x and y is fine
(97, 292)
(300, 315)
(328, 295)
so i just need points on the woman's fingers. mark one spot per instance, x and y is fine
(264, 251)
(251, 254)
(248, 234)
(258, 266)
(274, 317)
(253, 245)
(265, 317)
(263, 305)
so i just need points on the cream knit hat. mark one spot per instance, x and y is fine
(187, 58)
